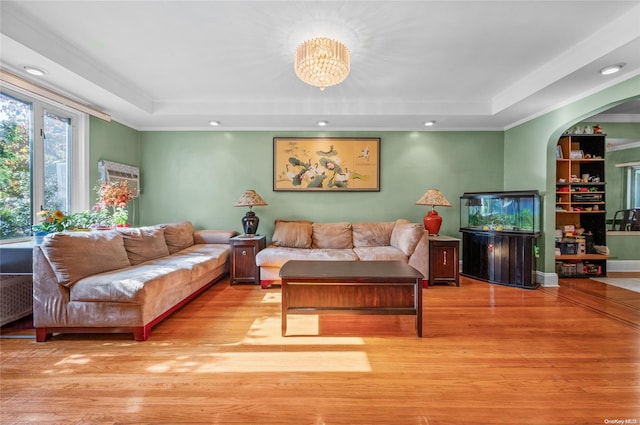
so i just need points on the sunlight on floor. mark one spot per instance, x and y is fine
(272, 298)
(242, 362)
(302, 329)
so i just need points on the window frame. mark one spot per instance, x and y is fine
(78, 151)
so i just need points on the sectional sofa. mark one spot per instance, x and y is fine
(398, 240)
(123, 280)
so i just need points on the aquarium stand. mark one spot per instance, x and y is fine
(499, 235)
(500, 257)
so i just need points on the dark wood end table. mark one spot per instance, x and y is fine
(444, 263)
(243, 259)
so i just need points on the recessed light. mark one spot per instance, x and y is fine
(34, 70)
(611, 69)
(323, 123)
(214, 123)
(429, 123)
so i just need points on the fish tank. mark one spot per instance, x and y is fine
(517, 211)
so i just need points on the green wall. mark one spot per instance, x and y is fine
(115, 142)
(199, 175)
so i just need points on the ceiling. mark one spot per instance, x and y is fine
(468, 65)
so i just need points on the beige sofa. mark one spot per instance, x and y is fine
(373, 241)
(123, 281)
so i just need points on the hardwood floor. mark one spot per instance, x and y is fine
(490, 355)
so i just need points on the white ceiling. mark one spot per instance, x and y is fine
(180, 64)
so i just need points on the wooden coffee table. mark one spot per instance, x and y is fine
(351, 287)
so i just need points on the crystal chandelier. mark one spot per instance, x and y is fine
(322, 62)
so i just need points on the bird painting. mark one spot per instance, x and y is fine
(326, 165)
(364, 153)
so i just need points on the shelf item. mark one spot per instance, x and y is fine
(499, 235)
(580, 205)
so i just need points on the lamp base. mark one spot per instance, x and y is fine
(432, 222)
(250, 223)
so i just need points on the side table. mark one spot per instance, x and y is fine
(444, 260)
(243, 258)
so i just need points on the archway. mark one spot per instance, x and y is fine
(529, 159)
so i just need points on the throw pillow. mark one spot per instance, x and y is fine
(178, 235)
(372, 234)
(75, 255)
(292, 234)
(332, 235)
(406, 235)
(144, 244)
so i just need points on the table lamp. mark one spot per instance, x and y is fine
(432, 221)
(250, 221)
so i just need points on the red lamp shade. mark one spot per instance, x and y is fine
(432, 221)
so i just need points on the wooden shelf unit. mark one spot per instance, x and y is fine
(581, 202)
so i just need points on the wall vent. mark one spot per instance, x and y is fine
(115, 172)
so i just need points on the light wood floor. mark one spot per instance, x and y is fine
(491, 355)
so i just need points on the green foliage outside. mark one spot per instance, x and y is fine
(15, 175)
(16, 161)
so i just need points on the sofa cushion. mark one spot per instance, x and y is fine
(144, 244)
(332, 235)
(213, 236)
(138, 284)
(292, 234)
(405, 236)
(75, 255)
(202, 258)
(178, 235)
(372, 234)
(276, 256)
(380, 253)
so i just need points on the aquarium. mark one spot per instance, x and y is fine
(517, 211)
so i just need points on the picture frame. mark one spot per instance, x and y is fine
(577, 154)
(559, 152)
(326, 164)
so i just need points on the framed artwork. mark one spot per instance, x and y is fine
(326, 164)
(577, 155)
(559, 152)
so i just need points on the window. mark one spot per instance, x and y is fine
(632, 186)
(43, 161)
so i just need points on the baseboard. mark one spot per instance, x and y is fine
(623, 265)
(548, 280)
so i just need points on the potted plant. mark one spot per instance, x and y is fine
(81, 221)
(52, 221)
(120, 217)
(114, 196)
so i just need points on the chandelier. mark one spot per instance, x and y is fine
(322, 62)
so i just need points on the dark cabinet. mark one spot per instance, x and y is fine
(243, 259)
(507, 259)
(443, 260)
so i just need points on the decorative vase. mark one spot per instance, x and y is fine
(250, 223)
(432, 222)
(39, 236)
